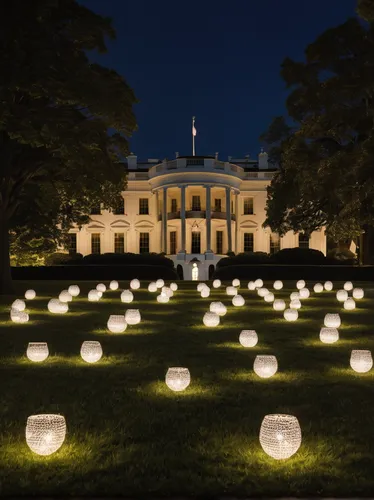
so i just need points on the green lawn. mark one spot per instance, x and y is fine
(129, 435)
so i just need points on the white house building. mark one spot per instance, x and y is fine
(193, 208)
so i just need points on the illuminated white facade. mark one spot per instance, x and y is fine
(192, 208)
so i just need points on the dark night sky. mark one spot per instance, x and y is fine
(216, 59)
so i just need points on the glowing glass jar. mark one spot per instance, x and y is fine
(332, 320)
(37, 351)
(152, 287)
(294, 296)
(280, 436)
(261, 292)
(101, 287)
(278, 285)
(218, 308)
(342, 295)
(200, 287)
(235, 282)
(361, 360)
(45, 434)
(251, 285)
(113, 285)
(18, 316)
(304, 293)
(173, 287)
(328, 286)
(205, 292)
(19, 305)
(329, 335)
(269, 297)
(279, 305)
(117, 323)
(160, 283)
(74, 290)
(93, 296)
(238, 301)
(358, 293)
(290, 314)
(162, 298)
(30, 294)
(65, 296)
(231, 291)
(265, 366)
(259, 283)
(211, 319)
(132, 316)
(166, 290)
(178, 378)
(300, 284)
(348, 285)
(295, 304)
(91, 351)
(216, 283)
(127, 296)
(318, 288)
(55, 306)
(135, 284)
(248, 338)
(349, 304)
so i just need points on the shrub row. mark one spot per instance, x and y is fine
(108, 259)
(94, 272)
(290, 256)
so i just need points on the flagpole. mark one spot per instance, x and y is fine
(193, 136)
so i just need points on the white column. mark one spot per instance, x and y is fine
(183, 218)
(208, 220)
(237, 223)
(228, 219)
(164, 222)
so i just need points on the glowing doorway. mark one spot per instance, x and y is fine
(195, 272)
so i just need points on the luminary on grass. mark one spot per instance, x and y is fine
(127, 296)
(205, 292)
(300, 284)
(269, 297)
(166, 290)
(261, 292)
(160, 283)
(100, 294)
(279, 305)
(361, 360)
(45, 433)
(218, 308)
(348, 286)
(294, 296)
(117, 323)
(163, 298)
(113, 285)
(74, 290)
(18, 316)
(295, 304)
(178, 379)
(91, 351)
(132, 316)
(349, 304)
(290, 314)
(216, 283)
(94, 296)
(152, 287)
(211, 319)
(278, 285)
(318, 288)
(259, 283)
(200, 287)
(332, 320)
(342, 295)
(328, 286)
(30, 294)
(304, 293)
(238, 301)
(173, 287)
(65, 296)
(19, 305)
(358, 293)
(37, 351)
(235, 282)
(135, 284)
(101, 287)
(231, 290)
(280, 436)
(265, 366)
(248, 338)
(55, 306)
(251, 285)
(329, 335)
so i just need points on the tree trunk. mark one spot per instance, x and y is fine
(6, 283)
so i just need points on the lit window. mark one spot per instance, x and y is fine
(144, 243)
(248, 206)
(72, 243)
(173, 242)
(143, 206)
(303, 240)
(119, 242)
(196, 206)
(274, 243)
(219, 242)
(173, 205)
(248, 242)
(95, 243)
(218, 205)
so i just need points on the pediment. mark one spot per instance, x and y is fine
(145, 223)
(120, 224)
(95, 224)
(249, 224)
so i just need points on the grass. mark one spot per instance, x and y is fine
(129, 435)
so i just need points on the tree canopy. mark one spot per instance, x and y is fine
(64, 120)
(325, 146)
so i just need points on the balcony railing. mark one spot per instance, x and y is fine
(196, 214)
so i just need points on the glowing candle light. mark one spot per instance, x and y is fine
(117, 323)
(37, 351)
(211, 319)
(279, 305)
(113, 285)
(91, 351)
(265, 366)
(248, 338)
(216, 283)
(329, 335)
(132, 316)
(127, 296)
(45, 434)
(332, 320)
(300, 284)
(361, 360)
(74, 290)
(30, 294)
(178, 379)
(280, 436)
(278, 285)
(238, 301)
(328, 286)
(135, 284)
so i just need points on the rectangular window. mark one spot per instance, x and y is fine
(218, 205)
(72, 243)
(195, 244)
(173, 242)
(119, 242)
(303, 240)
(232, 206)
(248, 242)
(119, 209)
(143, 206)
(144, 243)
(196, 206)
(96, 210)
(274, 243)
(219, 242)
(248, 206)
(174, 205)
(95, 243)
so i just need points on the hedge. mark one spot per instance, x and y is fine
(296, 272)
(110, 259)
(94, 272)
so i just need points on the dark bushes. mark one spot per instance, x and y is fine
(292, 256)
(244, 258)
(58, 259)
(110, 259)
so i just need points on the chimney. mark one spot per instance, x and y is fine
(216, 155)
(177, 154)
(263, 160)
(132, 161)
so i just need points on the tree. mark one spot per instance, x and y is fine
(64, 120)
(326, 179)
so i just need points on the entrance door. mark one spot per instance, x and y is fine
(195, 244)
